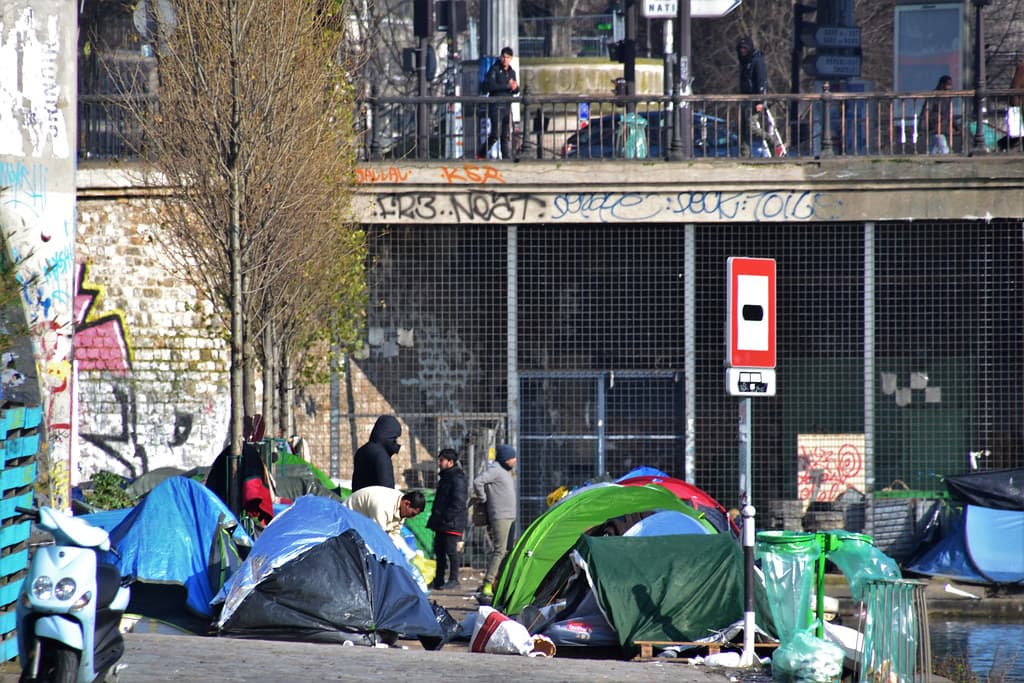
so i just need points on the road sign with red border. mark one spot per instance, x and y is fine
(750, 325)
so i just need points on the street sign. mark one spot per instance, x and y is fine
(812, 35)
(750, 327)
(750, 330)
(832, 66)
(699, 9)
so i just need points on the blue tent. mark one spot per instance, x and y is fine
(982, 541)
(180, 534)
(321, 572)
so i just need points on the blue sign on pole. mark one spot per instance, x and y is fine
(584, 111)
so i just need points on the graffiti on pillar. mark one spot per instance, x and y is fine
(38, 167)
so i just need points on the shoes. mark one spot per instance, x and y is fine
(486, 589)
(436, 585)
(451, 585)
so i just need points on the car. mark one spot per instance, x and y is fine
(604, 138)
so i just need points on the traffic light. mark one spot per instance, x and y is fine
(423, 18)
(443, 14)
(411, 61)
(617, 50)
(803, 25)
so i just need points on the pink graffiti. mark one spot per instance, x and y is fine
(100, 342)
(826, 472)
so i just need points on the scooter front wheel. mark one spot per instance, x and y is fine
(58, 663)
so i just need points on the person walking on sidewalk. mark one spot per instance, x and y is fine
(448, 518)
(497, 489)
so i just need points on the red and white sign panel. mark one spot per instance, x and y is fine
(750, 327)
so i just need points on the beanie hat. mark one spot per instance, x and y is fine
(504, 453)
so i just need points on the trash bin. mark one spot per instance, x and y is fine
(790, 561)
(631, 137)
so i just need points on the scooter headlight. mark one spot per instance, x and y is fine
(65, 588)
(42, 588)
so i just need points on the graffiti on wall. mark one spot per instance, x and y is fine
(828, 465)
(484, 206)
(120, 432)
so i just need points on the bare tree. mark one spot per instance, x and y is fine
(251, 133)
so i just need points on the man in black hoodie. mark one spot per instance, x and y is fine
(753, 81)
(371, 465)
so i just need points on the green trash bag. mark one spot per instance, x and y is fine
(631, 136)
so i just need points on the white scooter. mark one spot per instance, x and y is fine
(70, 606)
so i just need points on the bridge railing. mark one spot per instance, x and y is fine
(709, 126)
(578, 129)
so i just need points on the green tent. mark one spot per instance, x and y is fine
(670, 588)
(557, 530)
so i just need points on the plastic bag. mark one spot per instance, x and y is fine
(806, 659)
(497, 634)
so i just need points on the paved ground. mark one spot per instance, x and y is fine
(152, 657)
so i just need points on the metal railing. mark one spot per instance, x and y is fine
(643, 127)
(791, 126)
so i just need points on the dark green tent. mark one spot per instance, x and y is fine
(670, 588)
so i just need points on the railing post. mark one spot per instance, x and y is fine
(371, 122)
(826, 124)
(979, 78)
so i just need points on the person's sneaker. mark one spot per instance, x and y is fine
(451, 585)
(436, 584)
(487, 589)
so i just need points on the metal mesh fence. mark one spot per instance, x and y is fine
(898, 350)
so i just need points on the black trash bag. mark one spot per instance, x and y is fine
(450, 629)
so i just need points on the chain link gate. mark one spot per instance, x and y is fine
(587, 426)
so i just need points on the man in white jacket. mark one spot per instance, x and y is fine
(389, 508)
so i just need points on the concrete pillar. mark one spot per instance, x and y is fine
(38, 64)
(499, 26)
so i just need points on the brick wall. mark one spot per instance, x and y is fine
(153, 368)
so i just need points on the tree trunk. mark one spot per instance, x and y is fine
(235, 249)
(269, 378)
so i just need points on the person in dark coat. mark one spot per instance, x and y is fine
(500, 81)
(371, 465)
(753, 81)
(448, 518)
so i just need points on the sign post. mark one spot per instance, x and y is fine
(750, 371)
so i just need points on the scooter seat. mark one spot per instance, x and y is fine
(108, 581)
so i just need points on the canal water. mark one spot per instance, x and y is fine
(993, 649)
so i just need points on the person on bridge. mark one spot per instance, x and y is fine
(937, 118)
(753, 81)
(448, 518)
(500, 81)
(371, 465)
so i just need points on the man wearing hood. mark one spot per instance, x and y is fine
(371, 465)
(753, 81)
(497, 489)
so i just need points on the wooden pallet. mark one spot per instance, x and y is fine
(647, 647)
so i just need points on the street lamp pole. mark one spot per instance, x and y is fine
(979, 77)
(681, 145)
